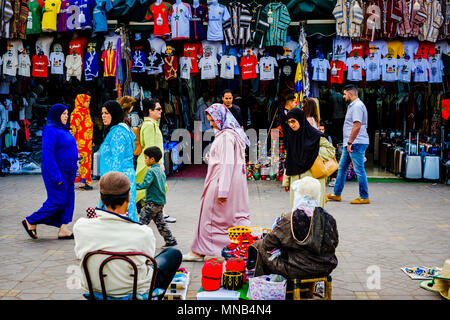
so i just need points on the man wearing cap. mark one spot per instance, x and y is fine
(112, 230)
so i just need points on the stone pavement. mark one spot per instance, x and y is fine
(407, 224)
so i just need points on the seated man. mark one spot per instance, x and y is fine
(112, 230)
(303, 243)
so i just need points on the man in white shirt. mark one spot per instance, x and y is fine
(356, 142)
(112, 230)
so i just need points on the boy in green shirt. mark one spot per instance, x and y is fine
(155, 195)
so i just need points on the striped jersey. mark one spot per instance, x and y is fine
(237, 29)
(279, 20)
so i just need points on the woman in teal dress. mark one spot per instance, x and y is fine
(116, 151)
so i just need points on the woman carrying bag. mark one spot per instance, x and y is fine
(304, 144)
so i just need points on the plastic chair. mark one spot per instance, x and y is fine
(118, 256)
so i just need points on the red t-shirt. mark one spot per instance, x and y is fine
(78, 44)
(425, 50)
(192, 50)
(360, 48)
(337, 69)
(40, 64)
(248, 65)
(160, 16)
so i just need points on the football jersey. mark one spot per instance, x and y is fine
(198, 16)
(51, 10)
(40, 63)
(248, 66)
(35, 13)
(337, 69)
(160, 14)
(180, 21)
(193, 51)
(217, 15)
(79, 45)
(109, 63)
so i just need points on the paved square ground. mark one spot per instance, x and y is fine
(407, 224)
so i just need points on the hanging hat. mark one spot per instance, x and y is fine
(440, 282)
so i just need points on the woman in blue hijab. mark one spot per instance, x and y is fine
(59, 168)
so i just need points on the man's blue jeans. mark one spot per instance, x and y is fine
(357, 158)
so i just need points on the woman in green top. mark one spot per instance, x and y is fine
(304, 144)
(150, 135)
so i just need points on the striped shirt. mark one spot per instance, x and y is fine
(279, 20)
(258, 26)
(237, 29)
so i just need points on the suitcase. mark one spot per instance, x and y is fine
(383, 154)
(401, 163)
(96, 166)
(397, 153)
(413, 162)
(376, 147)
(431, 168)
(391, 160)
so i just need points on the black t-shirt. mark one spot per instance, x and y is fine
(236, 111)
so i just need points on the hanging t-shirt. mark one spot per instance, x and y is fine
(441, 48)
(193, 51)
(236, 52)
(421, 70)
(289, 50)
(337, 69)
(180, 21)
(63, 14)
(83, 17)
(248, 66)
(160, 14)
(217, 15)
(109, 63)
(436, 68)
(410, 47)
(154, 63)
(405, 68)
(198, 16)
(91, 64)
(267, 68)
(79, 45)
(57, 63)
(395, 48)
(170, 67)
(320, 69)
(377, 49)
(425, 50)
(51, 10)
(208, 67)
(10, 64)
(355, 66)
(340, 48)
(43, 44)
(24, 65)
(157, 44)
(360, 48)
(40, 64)
(110, 42)
(212, 49)
(227, 65)
(373, 68)
(389, 69)
(35, 14)
(185, 68)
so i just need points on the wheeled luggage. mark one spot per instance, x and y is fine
(413, 163)
(431, 168)
(96, 166)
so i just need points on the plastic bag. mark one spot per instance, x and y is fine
(267, 287)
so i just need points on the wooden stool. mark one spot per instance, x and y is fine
(309, 287)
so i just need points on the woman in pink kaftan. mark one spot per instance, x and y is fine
(224, 201)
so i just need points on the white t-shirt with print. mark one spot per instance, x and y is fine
(267, 68)
(290, 49)
(110, 40)
(320, 69)
(373, 68)
(10, 64)
(24, 68)
(355, 66)
(436, 67)
(441, 48)
(227, 65)
(217, 15)
(44, 43)
(410, 48)
(341, 46)
(185, 68)
(421, 72)
(405, 68)
(57, 63)
(208, 67)
(377, 49)
(212, 49)
(157, 44)
(389, 69)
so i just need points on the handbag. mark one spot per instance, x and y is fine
(322, 169)
(267, 287)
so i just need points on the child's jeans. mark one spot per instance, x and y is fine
(152, 211)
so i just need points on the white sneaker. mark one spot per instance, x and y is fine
(169, 219)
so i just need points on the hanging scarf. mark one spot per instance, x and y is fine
(224, 119)
(54, 116)
(302, 145)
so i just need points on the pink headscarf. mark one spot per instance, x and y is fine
(224, 119)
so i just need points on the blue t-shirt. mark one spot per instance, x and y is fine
(100, 22)
(356, 111)
(233, 51)
(138, 61)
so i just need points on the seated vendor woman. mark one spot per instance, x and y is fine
(303, 243)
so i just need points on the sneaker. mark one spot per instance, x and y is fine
(333, 197)
(169, 219)
(360, 201)
(86, 187)
(169, 245)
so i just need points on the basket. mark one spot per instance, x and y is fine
(235, 232)
(232, 280)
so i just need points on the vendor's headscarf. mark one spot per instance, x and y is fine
(224, 119)
(54, 116)
(302, 145)
(80, 100)
(116, 112)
